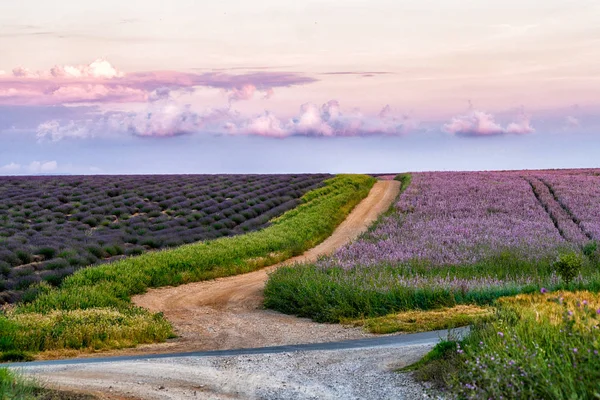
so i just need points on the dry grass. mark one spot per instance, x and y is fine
(422, 321)
(92, 329)
(551, 308)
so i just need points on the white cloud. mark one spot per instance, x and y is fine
(100, 68)
(164, 117)
(479, 123)
(55, 130)
(37, 167)
(12, 167)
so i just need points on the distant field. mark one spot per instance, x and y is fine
(51, 226)
(456, 238)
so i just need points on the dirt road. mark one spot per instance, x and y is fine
(227, 313)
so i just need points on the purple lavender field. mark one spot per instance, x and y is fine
(579, 194)
(456, 218)
(50, 226)
(464, 218)
(456, 237)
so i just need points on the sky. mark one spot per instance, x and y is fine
(276, 86)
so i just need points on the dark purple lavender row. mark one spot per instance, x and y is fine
(50, 226)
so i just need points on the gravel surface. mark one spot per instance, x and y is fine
(366, 373)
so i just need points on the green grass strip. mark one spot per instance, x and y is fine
(101, 295)
(13, 386)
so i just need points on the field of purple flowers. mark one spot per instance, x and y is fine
(579, 196)
(467, 237)
(51, 226)
(453, 219)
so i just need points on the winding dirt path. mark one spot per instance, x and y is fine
(227, 313)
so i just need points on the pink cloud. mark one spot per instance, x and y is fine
(246, 92)
(101, 82)
(265, 124)
(164, 117)
(479, 123)
(327, 120)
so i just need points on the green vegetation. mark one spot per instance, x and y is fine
(568, 266)
(437, 365)
(543, 346)
(14, 387)
(334, 294)
(404, 180)
(92, 308)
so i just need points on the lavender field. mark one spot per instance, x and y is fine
(51, 226)
(455, 237)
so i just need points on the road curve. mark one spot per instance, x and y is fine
(411, 339)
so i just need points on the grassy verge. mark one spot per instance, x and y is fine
(92, 308)
(13, 386)
(424, 321)
(543, 346)
(334, 294)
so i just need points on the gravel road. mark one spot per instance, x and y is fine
(365, 373)
(355, 369)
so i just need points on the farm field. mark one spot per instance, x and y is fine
(92, 308)
(52, 226)
(455, 238)
(523, 243)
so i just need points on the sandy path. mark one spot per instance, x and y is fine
(227, 313)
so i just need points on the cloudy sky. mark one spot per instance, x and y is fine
(298, 86)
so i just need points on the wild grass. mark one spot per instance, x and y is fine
(92, 308)
(437, 365)
(424, 321)
(15, 387)
(543, 345)
(334, 294)
(537, 346)
(94, 329)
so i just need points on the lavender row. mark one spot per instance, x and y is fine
(457, 219)
(563, 221)
(384, 280)
(580, 194)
